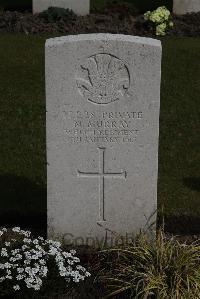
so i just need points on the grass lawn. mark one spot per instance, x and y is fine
(22, 134)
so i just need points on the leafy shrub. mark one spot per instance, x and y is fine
(24, 261)
(53, 14)
(152, 268)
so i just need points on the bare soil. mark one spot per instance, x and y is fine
(118, 20)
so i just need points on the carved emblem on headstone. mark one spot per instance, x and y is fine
(103, 79)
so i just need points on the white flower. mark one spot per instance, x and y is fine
(16, 287)
(37, 287)
(8, 272)
(18, 257)
(29, 261)
(25, 233)
(87, 274)
(19, 277)
(27, 269)
(70, 262)
(44, 271)
(42, 262)
(79, 267)
(15, 251)
(7, 265)
(35, 241)
(8, 277)
(54, 243)
(16, 229)
(76, 259)
(67, 254)
(26, 240)
(4, 252)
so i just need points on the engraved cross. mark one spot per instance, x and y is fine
(102, 175)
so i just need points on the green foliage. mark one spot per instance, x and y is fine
(53, 14)
(157, 268)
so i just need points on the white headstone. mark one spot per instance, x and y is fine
(103, 98)
(80, 7)
(182, 7)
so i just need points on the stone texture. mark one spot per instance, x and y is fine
(182, 7)
(103, 98)
(80, 7)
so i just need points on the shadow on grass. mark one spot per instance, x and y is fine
(192, 183)
(183, 225)
(22, 203)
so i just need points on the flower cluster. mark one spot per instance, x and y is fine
(161, 18)
(23, 260)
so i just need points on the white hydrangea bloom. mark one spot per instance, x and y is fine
(16, 229)
(16, 287)
(161, 18)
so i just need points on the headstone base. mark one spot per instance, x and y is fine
(182, 7)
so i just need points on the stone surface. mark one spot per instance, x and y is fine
(182, 7)
(103, 98)
(80, 7)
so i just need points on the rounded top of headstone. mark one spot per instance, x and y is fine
(102, 37)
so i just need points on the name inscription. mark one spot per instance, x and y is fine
(102, 126)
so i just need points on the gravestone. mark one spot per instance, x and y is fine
(80, 7)
(182, 7)
(103, 98)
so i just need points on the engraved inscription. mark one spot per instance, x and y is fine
(102, 126)
(103, 79)
(101, 174)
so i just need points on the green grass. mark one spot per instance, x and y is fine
(179, 155)
(156, 268)
(22, 134)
